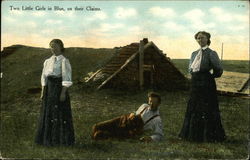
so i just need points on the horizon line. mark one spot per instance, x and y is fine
(2, 48)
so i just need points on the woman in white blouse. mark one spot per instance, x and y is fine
(202, 122)
(55, 125)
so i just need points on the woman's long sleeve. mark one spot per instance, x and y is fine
(66, 73)
(190, 62)
(216, 64)
(43, 77)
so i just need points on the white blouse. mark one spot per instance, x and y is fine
(154, 125)
(57, 66)
(195, 66)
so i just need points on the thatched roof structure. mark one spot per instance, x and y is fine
(137, 66)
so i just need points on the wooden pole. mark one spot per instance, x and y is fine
(221, 52)
(141, 63)
(152, 78)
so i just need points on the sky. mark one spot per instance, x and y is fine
(171, 25)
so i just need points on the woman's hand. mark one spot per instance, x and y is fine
(63, 94)
(41, 97)
(62, 97)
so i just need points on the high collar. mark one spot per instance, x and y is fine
(205, 47)
(59, 57)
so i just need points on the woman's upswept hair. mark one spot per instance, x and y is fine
(58, 41)
(208, 35)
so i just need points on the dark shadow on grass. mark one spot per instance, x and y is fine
(104, 146)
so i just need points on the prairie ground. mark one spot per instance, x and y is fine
(20, 111)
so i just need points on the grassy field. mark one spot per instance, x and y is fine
(20, 111)
(228, 65)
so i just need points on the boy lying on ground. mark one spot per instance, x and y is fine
(132, 125)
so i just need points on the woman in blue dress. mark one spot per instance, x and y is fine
(202, 121)
(55, 125)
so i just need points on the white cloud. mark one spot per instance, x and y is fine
(174, 26)
(225, 16)
(236, 28)
(51, 21)
(200, 25)
(216, 10)
(103, 30)
(162, 12)
(104, 27)
(123, 13)
(135, 29)
(236, 22)
(241, 18)
(47, 31)
(194, 15)
(221, 15)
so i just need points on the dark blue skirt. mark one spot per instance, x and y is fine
(202, 121)
(55, 125)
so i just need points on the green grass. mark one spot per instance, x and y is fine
(20, 111)
(228, 65)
